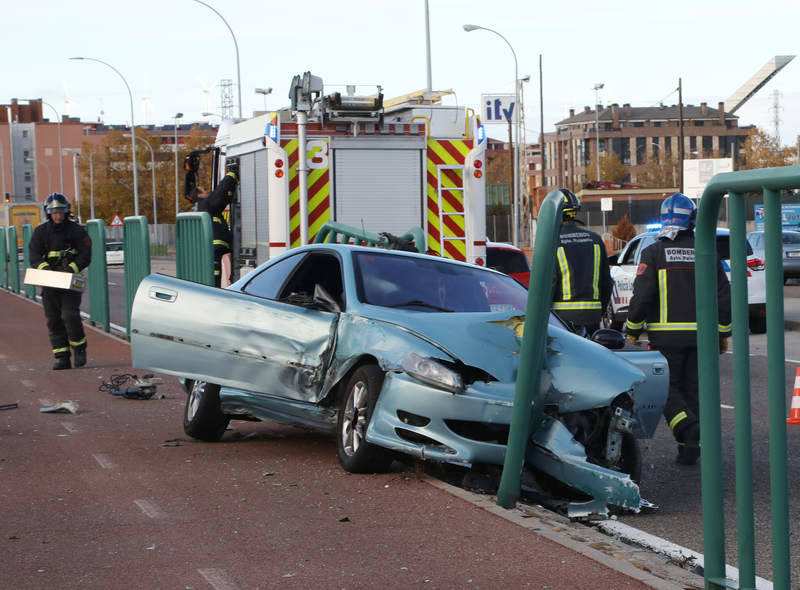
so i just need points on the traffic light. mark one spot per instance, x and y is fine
(8, 198)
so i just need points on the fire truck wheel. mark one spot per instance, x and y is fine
(203, 418)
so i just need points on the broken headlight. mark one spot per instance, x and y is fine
(433, 373)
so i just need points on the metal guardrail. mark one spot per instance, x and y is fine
(27, 234)
(99, 314)
(194, 248)
(769, 181)
(338, 233)
(13, 260)
(137, 260)
(528, 398)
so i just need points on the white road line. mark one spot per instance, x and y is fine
(726, 407)
(28, 383)
(218, 578)
(677, 553)
(104, 461)
(70, 426)
(765, 355)
(112, 284)
(150, 509)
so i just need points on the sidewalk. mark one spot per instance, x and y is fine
(459, 538)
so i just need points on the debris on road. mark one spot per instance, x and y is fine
(67, 407)
(145, 387)
(11, 406)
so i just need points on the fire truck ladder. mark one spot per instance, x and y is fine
(459, 216)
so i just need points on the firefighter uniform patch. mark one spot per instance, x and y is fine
(641, 269)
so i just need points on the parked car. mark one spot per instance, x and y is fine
(398, 352)
(115, 253)
(509, 260)
(623, 271)
(790, 241)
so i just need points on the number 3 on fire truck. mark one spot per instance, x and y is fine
(317, 154)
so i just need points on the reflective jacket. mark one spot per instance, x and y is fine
(582, 283)
(214, 205)
(663, 301)
(61, 246)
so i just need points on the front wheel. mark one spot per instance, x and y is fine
(202, 417)
(356, 405)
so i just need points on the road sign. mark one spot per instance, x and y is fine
(697, 173)
(499, 108)
(117, 221)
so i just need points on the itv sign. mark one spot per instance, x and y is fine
(499, 108)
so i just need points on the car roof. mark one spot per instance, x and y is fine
(502, 246)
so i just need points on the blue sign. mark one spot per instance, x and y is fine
(271, 131)
(790, 216)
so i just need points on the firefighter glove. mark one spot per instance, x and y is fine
(723, 345)
(632, 339)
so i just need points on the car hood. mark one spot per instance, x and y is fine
(491, 341)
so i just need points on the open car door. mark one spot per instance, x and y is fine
(230, 338)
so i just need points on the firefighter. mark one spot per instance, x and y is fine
(61, 244)
(663, 304)
(582, 283)
(214, 204)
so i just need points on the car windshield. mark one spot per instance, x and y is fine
(507, 261)
(114, 247)
(431, 285)
(791, 237)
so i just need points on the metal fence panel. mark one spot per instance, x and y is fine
(98, 276)
(13, 260)
(137, 260)
(27, 234)
(194, 248)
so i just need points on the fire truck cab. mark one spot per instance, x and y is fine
(381, 166)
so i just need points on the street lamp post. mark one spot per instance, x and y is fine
(153, 172)
(264, 92)
(133, 134)
(75, 153)
(60, 150)
(469, 28)
(597, 88)
(236, 46)
(177, 116)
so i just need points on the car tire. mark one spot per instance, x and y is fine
(202, 417)
(758, 325)
(356, 404)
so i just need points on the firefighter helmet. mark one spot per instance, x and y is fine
(571, 204)
(678, 210)
(56, 202)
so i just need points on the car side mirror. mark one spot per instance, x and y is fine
(324, 300)
(611, 339)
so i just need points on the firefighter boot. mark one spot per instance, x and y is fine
(79, 357)
(62, 362)
(689, 445)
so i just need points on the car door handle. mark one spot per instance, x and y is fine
(162, 294)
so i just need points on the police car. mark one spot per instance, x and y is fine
(623, 271)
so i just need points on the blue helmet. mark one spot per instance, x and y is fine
(678, 210)
(56, 202)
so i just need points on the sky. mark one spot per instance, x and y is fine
(173, 54)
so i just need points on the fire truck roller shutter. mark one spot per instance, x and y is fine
(261, 203)
(380, 187)
(253, 193)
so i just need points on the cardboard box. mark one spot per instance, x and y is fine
(52, 278)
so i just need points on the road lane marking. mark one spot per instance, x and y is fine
(150, 509)
(28, 383)
(726, 407)
(218, 578)
(70, 426)
(104, 461)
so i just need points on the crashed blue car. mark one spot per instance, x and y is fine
(398, 352)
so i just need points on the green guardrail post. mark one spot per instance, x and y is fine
(769, 181)
(137, 260)
(27, 234)
(527, 413)
(3, 259)
(194, 248)
(98, 276)
(337, 233)
(13, 259)
(741, 393)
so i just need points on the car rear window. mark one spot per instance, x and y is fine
(506, 261)
(791, 237)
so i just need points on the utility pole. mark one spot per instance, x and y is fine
(680, 130)
(541, 120)
(511, 177)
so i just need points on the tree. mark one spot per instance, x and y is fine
(659, 172)
(611, 168)
(761, 150)
(624, 229)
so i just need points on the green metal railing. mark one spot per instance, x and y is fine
(27, 234)
(194, 248)
(137, 260)
(769, 181)
(527, 413)
(98, 276)
(13, 260)
(3, 259)
(338, 233)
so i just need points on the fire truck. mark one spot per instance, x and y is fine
(380, 166)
